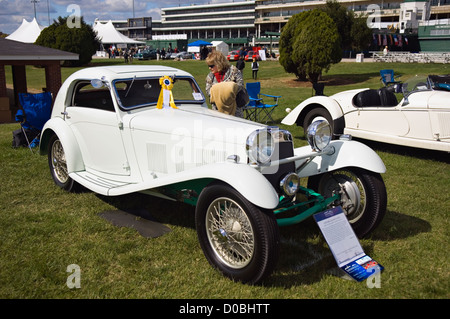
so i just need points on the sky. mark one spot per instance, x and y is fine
(12, 12)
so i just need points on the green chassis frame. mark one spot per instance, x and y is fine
(305, 210)
(188, 192)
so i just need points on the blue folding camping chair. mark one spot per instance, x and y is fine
(36, 110)
(257, 110)
(388, 78)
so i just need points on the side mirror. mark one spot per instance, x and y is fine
(97, 83)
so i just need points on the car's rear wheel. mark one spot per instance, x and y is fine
(58, 165)
(363, 196)
(237, 237)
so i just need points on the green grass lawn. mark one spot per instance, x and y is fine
(44, 229)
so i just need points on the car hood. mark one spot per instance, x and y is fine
(194, 121)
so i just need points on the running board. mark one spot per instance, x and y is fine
(99, 184)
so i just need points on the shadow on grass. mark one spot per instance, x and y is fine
(328, 80)
(304, 255)
(154, 209)
(399, 226)
(344, 79)
(306, 258)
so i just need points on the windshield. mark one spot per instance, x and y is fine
(139, 92)
(426, 82)
(416, 83)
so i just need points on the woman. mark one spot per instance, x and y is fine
(222, 71)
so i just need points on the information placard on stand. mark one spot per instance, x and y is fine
(344, 244)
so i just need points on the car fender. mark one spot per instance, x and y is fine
(297, 115)
(58, 126)
(342, 154)
(248, 181)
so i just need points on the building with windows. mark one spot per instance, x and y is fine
(140, 28)
(272, 15)
(233, 21)
(134, 28)
(258, 22)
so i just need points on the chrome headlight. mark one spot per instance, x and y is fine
(319, 135)
(260, 146)
(290, 184)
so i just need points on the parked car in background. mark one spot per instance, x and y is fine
(146, 55)
(233, 56)
(181, 55)
(252, 55)
(420, 119)
(111, 133)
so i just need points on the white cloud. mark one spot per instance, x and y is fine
(12, 12)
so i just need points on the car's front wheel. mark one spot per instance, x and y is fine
(363, 196)
(317, 114)
(237, 237)
(58, 165)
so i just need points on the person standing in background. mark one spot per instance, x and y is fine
(255, 68)
(240, 64)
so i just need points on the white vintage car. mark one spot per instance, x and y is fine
(123, 129)
(420, 119)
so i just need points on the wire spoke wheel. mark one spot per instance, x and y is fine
(237, 237)
(58, 162)
(230, 233)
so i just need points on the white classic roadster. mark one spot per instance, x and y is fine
(420, 119)
(123, 129)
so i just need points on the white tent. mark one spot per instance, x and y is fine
(28, 32)
(221, 46)
(108, 34)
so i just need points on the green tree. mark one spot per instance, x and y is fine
(361, 34)
(80, 39)
(354, 32)
(309, 44)
(287, 38)
(343, 19)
